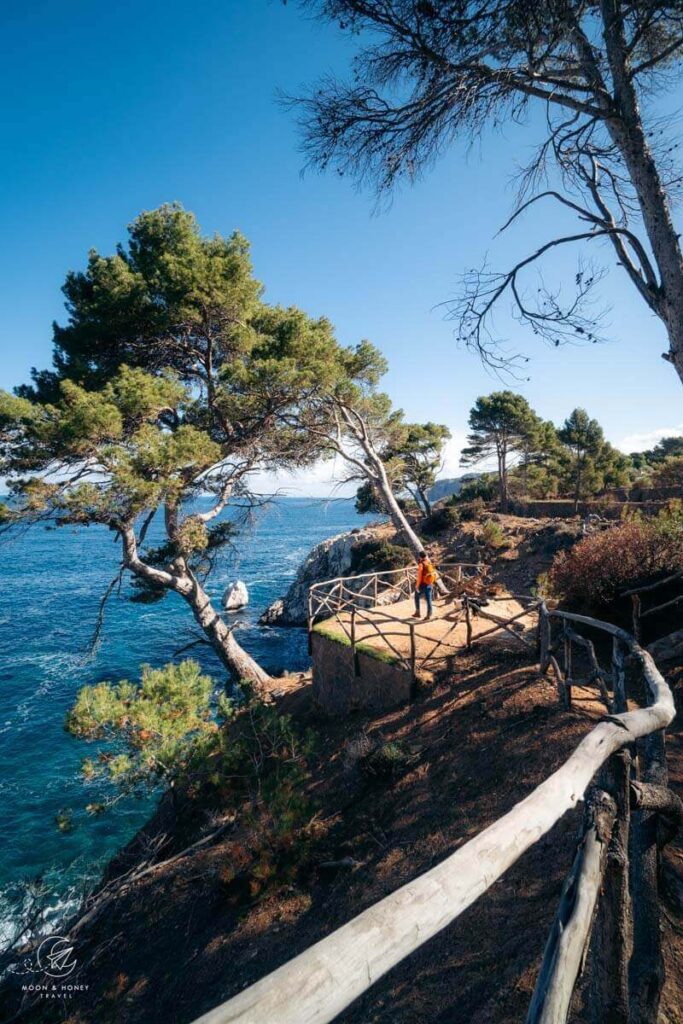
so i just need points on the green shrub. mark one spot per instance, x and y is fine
(167, 729)
(445, 517)
(152, 731)
(598, 568)
(379, 556)
(243, 759)
(484, 487)
(472, 510)
(386, 760)
(669, 473)
(492, 535)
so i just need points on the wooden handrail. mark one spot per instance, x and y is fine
(317, 985)
(636, 594)
(393, 572)
(654, 586)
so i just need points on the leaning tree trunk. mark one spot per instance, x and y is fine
(182, 581)
(396, 513)
(235, 658)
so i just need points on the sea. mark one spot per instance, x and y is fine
(51, 584)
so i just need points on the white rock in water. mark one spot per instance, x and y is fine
(236, 596)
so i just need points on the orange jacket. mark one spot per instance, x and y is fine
(426, 574)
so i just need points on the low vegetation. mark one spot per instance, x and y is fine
(239, 759)
(379, 556)
(445, 517)
(492, 535)
(156, 731)
(595, 571)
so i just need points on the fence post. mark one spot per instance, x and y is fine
(354, 653)
(567, 668)
(413, 657)
(635, 602)
(468, 620)
(647, 966)
(618, 675)
(569, 939)
(374, 601)
(544, 638)
(309, 623)
(612, 933)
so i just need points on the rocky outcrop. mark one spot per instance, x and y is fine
(330, 558)
(236, 596)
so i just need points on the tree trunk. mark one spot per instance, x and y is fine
(425, 500)
(628, 134)
(577, 490)
(503, 481)
(396, 514)
(240, 664)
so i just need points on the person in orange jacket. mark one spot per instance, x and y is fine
(424, 583)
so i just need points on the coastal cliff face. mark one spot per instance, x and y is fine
(331, 558)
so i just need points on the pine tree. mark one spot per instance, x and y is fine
(584, 438)
(172, 380)
(501, 426)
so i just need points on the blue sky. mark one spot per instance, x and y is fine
(114, 108)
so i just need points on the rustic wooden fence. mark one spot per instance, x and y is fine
(642, 609)
(609, 901)
(360, 608)
(375, 589)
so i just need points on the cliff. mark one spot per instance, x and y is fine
(332, 557)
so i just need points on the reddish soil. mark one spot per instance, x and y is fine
(183, 939)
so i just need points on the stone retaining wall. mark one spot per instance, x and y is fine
(342, 684)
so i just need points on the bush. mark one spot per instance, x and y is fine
(243, 758)
(472, 510)
(492, 535)
(378, 758)
(152, 731)
(378, 556)
(669, 473)
(445, 517)
(597, 569)
(484, 487)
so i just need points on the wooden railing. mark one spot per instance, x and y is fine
(372, 589)
(619, 771)
(360, 607)
(640, 594)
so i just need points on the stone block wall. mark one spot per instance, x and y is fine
(342, 684)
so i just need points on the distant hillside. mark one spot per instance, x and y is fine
(450, 485)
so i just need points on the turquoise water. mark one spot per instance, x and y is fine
(51, 582)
